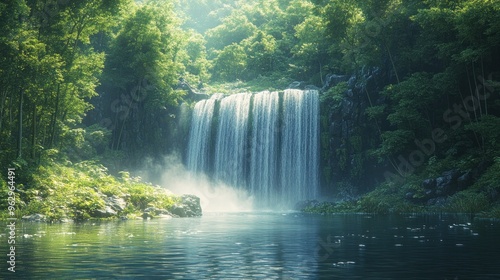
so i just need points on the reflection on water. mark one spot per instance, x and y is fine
(261, 246)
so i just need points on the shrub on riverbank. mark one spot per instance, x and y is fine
(85, 190)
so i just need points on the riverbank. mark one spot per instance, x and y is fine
(58, 192)
(389, 200)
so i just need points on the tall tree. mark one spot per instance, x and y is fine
(141, 70)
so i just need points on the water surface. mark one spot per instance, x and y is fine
(261, 246)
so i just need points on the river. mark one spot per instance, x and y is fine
(261, 245)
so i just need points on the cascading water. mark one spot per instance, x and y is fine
(299, 146)
(264, 148)
(230, 145)
(199, 135)
(265, 143)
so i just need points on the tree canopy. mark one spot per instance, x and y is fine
(82, 78)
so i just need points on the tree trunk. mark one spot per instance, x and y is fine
(33, 133)
(54, 117)
(2, 108)
(20, 135)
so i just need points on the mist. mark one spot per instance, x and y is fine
(214, 196)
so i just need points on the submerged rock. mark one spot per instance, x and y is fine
(153, 212)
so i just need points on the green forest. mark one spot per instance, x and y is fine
(91, 89)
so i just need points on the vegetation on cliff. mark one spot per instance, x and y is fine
(97, 82)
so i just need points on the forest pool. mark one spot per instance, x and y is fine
(261, 246)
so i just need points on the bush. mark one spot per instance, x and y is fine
(468, 202)
(78, 190)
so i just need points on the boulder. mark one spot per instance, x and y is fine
(35, 218)
(116, 203)
(112, 206)
(464, 181)
(429, 184)
(189, 206)
(332, 80)
(296, 85)
(106, 212)
(446, 183)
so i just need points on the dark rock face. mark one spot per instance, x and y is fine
(429, 184)
(436, 190)
(465, 180)
(297, 85)
(350, 133)
(188, 207)
(312, 87)
(192, 93)
(332, 80)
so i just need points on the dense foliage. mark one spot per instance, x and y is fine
(98, 80)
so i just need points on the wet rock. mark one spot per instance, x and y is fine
(116, 203)
(429, 184)
(446, 183)
(189, 206)
(429, 193)
(106, 212)
(312, 87)
(409, 195)
(153, 212)
(464, 181)
(296, 85)
(157, 213)
(350, 93)
(352, 82)
(332, 80)
(35, 218)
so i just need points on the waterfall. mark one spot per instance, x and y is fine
(299, 145)
(230, 145)
(265, 143)
(199, 136)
